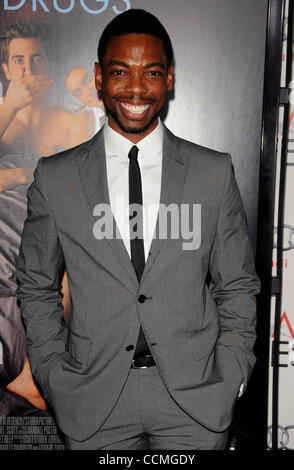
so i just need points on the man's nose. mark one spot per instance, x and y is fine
(136, 85)
(30, 68)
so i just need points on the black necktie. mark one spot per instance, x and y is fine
(136, 233)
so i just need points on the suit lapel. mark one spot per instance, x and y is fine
(174, 168)
(93, 173)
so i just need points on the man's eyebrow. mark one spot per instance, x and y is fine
(117, 62)
(154, 64)
(18, 56)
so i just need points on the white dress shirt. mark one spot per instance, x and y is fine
(117, 149)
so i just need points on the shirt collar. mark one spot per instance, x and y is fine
(149, 147)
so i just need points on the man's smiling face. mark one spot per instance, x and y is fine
(134, 80)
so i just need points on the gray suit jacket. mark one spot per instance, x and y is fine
(201, 338)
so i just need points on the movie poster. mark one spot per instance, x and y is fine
(49, 103)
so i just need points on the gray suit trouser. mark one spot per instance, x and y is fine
(146, 417)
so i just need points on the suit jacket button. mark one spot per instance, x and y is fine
(129, 347)
(142, 298)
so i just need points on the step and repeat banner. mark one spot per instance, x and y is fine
(49, 103)
(286, 357)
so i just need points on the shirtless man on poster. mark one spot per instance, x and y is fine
(29, 125)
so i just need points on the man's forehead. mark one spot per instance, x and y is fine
(136, 46)
(25, 46)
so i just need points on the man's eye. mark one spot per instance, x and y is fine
(18, 61)
(154, 73)
(38, 60)
(118, 72)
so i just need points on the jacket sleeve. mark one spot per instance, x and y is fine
(39, 273)
(234, 280)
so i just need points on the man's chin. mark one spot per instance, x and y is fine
(135, 128)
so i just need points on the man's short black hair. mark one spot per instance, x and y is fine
(135, 21)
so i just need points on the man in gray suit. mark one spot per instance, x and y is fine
(154, 357)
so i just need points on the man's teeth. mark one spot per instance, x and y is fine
(135, 109)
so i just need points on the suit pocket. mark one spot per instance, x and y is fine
(79, 348)
(203, 343)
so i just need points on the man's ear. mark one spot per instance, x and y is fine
(6, 71)
(170, 78)
(98, 76)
